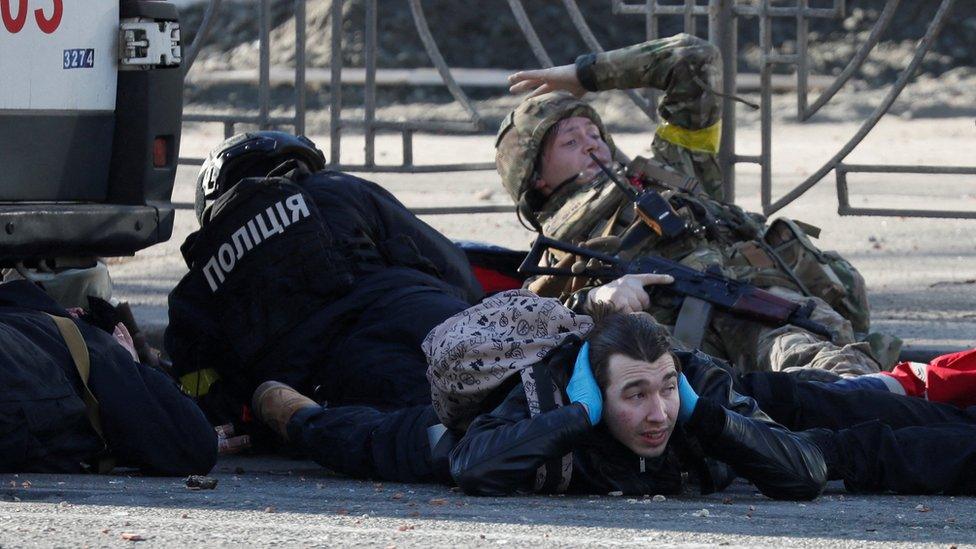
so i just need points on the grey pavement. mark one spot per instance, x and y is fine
(282, 502)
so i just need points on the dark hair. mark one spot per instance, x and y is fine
(637, 336)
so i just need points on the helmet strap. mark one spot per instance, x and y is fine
(525, 214)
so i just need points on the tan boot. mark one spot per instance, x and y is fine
(274, 403)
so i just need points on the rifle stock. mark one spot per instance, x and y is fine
(738, 298)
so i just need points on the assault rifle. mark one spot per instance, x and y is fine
(708, 287)
(658, 215)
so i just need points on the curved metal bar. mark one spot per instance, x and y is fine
(202, 33)
(857, 61)
(580, 23)
(529, 31)
(923, 47)
(420, 21)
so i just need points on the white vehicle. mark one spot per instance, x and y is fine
(90, 112)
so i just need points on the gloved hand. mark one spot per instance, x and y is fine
(582, 386)
(689, 399)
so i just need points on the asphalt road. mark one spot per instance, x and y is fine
(281, 502)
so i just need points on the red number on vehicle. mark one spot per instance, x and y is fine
(13, 24)
(47, 24)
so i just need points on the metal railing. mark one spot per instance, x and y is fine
(723, 18)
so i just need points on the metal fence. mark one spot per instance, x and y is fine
(723, 18)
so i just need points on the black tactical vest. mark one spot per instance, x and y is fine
(261, 265)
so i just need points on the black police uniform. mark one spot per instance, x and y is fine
(146, 420)
(322, 281)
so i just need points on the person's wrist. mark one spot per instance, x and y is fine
(586, 409)
(584, 71)
(688, 399)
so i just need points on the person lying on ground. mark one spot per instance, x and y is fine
(497, 453)
(315, 278)
(545, 153)
(74, 398)
(635, 422)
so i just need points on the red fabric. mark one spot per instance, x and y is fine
(949, 378)
(494, 281)
(952, 378)
(903, 374)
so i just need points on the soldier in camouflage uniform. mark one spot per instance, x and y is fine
(543, 150)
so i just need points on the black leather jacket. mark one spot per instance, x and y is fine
(727, 436)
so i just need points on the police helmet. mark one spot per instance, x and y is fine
(252, 154)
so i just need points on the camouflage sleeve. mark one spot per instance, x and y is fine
(677, 65)
(686, 69)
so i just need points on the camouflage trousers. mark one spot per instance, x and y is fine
(753, 346)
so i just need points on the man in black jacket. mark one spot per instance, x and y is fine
(314, 278)
(52, 420)
(636, 421)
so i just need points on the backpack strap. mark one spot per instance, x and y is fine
(542, 395)
(82, 360)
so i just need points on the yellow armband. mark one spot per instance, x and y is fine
(705, 140)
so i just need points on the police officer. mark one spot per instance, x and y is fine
(318, 280)
(544, 150)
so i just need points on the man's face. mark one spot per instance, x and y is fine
(641, 402)
(568, 154)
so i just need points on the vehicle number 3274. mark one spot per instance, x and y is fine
(79, 59)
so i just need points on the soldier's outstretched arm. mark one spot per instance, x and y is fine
(683, 66)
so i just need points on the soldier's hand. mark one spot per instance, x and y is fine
(547, 80)
(626, 294)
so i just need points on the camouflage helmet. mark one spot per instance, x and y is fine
(520, 137)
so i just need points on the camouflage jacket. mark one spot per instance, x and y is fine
(719, 234)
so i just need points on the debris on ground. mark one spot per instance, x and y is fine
(200, 482)
(129, 536)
